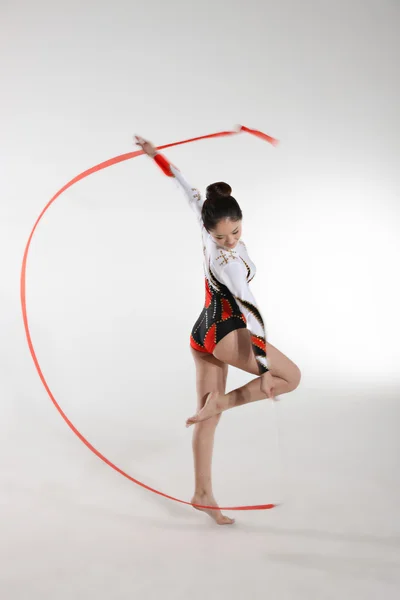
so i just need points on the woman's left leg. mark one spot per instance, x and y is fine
(236, 349)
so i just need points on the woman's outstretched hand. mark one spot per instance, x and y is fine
(267, 385)
(145, 145)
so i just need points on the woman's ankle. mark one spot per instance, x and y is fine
(202, 492)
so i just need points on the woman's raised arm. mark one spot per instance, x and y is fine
(192, 194)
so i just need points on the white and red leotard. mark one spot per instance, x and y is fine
(229, 303)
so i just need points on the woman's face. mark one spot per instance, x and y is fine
(227, 233)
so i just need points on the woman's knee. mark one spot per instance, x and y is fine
(295, 378)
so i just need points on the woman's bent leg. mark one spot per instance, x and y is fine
(235, 349)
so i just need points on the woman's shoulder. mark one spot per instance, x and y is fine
(242, 246)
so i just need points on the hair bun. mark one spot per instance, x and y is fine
(218, 190)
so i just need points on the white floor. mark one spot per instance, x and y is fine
(72, 528)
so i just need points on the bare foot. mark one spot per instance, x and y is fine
(213, 406)
(216, 515)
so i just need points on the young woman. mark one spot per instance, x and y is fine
(229, 330)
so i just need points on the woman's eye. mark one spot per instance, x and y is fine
(221, 238)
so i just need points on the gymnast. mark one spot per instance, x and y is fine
(230, 329)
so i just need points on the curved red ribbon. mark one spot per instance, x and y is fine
(99, 167)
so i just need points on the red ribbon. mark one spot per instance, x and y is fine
(99, 167)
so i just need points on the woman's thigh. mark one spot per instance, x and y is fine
(235, 349)
(211, 375)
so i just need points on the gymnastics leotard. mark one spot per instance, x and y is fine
(229, 303)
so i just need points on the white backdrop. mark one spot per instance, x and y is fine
(115, 280)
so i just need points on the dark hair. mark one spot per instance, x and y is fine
(219, 204)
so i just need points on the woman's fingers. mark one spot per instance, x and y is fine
(269, 392)
(146, 146)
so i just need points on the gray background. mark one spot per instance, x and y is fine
(115, 283)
